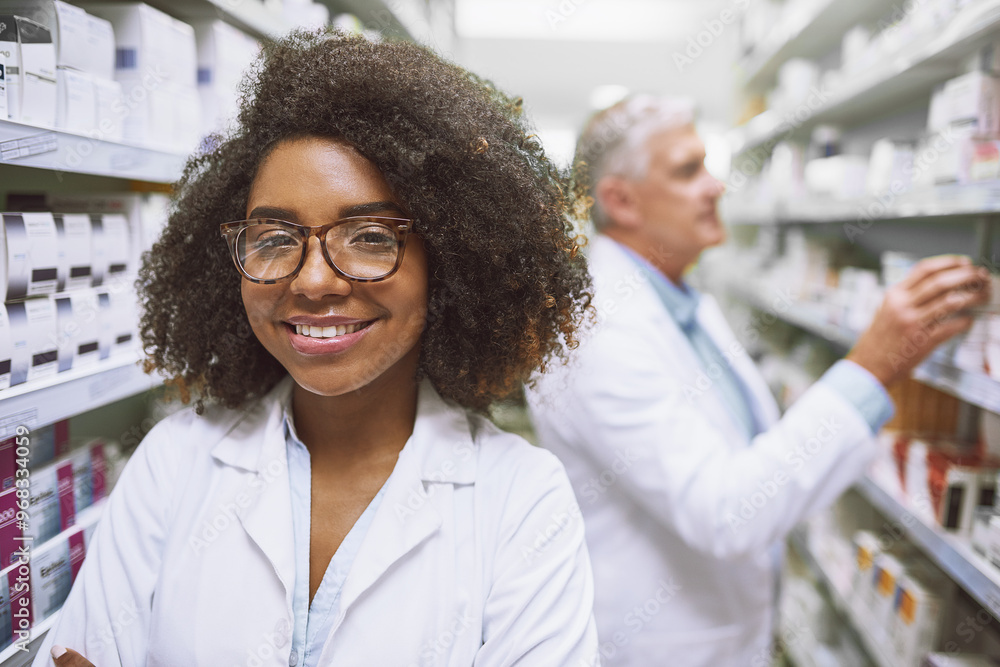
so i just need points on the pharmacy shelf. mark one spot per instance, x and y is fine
(809, 30)
(55, 150)
(899, 80)
(859, 629)
(12, 656)
(945, 201)
(250, 16)
(973, 573)
(72, 392)
(978, 389)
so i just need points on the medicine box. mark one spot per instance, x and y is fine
(78, 329)
(81, 41)
(28, 254)
(3, 86)
(16, 617)
(6, 348)
(76, 101)
(33, 329)
(31, 70)
(75, 251)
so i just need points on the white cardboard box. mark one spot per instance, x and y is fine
(78, 332)
(82, 41)
(30, 254)
(3, 85)
(31, 62)
(33, 330)
(76, 101)
(975, 97)
(112, 250)
(75, 251)
(6, 348)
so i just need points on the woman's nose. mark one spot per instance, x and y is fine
(317, 279)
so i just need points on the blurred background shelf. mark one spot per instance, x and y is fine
(810, 31)
(72, 392)
(64, 152)
(902, 78)
(973, 573)
(944, 201)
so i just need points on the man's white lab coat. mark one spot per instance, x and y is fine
(476, 555)
(682, 513)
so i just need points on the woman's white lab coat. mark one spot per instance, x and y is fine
(476, 555)
(682, 512)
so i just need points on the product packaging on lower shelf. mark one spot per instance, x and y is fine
(53, 569)
(921, 596)
(15, 604)
(6, 348)
(33, 329)
(29, 256)
(78, 329)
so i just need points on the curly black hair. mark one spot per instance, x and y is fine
(508, 289)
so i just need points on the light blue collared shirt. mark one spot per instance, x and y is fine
(314, 623)
(682, 304)
(855, 384)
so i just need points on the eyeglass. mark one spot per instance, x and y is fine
(360, 248)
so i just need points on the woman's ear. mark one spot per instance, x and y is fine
(618, 201)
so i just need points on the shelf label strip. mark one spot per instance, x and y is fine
(36, 144)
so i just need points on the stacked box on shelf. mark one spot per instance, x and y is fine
(31, 63)
(156, 65)
(66, 279)
(224, 52)
(58, 490)
(87, 100)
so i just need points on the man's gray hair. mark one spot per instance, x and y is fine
(614, 141)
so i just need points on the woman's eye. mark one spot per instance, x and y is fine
(274, 242)
(375, 237)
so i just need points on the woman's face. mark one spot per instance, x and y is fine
(312, 181)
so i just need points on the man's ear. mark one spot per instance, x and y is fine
(619, 202)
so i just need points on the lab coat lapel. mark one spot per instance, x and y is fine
(437, 454)
(267, 515)
(614, 266)
(762, 402)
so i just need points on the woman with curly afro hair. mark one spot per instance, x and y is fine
(374, 253)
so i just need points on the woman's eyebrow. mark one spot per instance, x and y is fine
(371, 208)
(273, 212)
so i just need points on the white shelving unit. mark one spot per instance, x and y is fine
(812, 30)
(58, 151)
(13, 656)
(873, 647)
(866, 106)
(976, 388)
(943, 201)
(72, 392)
(901, 78)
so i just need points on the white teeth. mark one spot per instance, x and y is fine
(326, 332)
